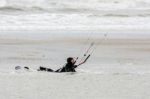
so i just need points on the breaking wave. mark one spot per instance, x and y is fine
(71, 5)
(11, 8)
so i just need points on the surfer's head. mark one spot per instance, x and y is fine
(70, 60)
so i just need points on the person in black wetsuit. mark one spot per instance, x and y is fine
(69, 67)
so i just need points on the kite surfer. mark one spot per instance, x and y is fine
(70, 66)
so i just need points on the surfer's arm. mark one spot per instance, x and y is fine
(84, 60)
(80, 63)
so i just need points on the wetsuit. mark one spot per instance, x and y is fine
(69, 67)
